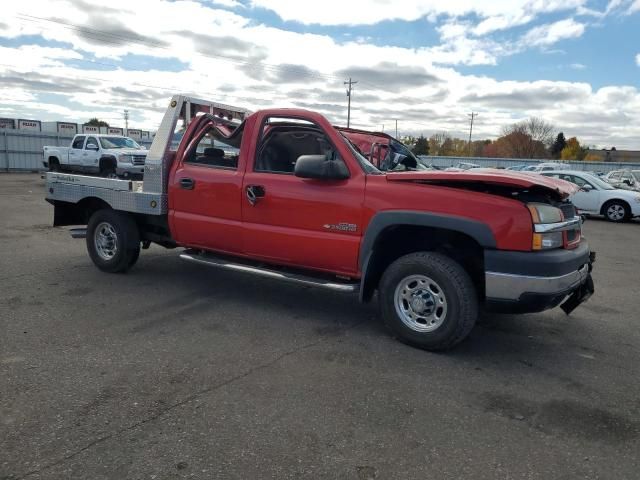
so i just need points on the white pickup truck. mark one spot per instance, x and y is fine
(107, 155)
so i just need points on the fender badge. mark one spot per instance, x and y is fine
(341, 227)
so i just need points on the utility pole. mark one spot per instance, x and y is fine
(350, 83)
(126, 120)
(396, 128)
(471, 115)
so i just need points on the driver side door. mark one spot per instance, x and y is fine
(91, 154)
(295, 221)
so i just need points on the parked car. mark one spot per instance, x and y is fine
(516, 167)
(547, 167)
(597, 197)
(105, 155)
(625, 179)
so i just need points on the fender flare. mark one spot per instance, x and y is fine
(478, 231)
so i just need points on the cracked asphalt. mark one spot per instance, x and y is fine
(179, 371)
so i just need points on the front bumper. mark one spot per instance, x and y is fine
(525, 282)
(127, 169)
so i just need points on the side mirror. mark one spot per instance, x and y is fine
(320, 168)
(586, 187)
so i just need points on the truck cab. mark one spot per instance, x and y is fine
(292, 198)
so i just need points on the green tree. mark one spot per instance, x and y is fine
(94, 122)
(558, 145)
(421, 146)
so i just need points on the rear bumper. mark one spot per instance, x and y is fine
(524, 282)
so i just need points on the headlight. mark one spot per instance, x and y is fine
(123, 158)
(542, 213)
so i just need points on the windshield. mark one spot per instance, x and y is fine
(398, 155)
(601, 184)
(118, 142)
(366, 164)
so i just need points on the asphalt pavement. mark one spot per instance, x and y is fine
(176, 370)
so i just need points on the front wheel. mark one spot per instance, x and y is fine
(428, 300)
(113, 241)
(616, 211)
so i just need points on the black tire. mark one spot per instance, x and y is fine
(54, 165)
(119, 240)
(616, 211)
(458, 313)
(108, 169)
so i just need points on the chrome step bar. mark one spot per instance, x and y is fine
(78, 232)
(218, 262)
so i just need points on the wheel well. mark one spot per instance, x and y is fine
(399, 240)
(106, 162)
(53, 159)
(615, 200)
(66, 213)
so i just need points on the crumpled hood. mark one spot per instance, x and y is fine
(507, 178)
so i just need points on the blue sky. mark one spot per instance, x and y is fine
(427, 63)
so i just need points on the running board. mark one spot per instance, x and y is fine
(218, 262)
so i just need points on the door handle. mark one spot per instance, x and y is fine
(187, 183)
(254, 193)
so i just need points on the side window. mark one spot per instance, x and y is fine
(77, 142)
(284, 140)
(92, 143)
(211, 153)
(581, 182)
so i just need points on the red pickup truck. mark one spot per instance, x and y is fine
(296, 199)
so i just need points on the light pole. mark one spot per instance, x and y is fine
(350, 83)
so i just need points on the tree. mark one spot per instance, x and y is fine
(573, 150)
(558, 145)
(528, 139)
(94, 122)
(421, 146)
(440, 144)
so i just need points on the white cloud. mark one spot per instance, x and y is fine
(638, 59)
(577, 66)
(634, 7)
(551, 33)
(231, 59)
(339, 12)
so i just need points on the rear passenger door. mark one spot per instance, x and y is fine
(205, 196)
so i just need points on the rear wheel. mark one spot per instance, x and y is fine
(108, 169)
(428, 300)
(617, 211)
(113, 241)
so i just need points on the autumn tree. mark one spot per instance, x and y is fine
(527, 139)
(440, 144)
(573, 150)
(94, 122)
(558, 145)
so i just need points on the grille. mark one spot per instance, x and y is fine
(138, 159)
(568, 210)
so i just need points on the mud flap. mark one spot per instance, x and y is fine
(580, 295)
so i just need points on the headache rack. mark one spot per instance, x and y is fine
(148, 196)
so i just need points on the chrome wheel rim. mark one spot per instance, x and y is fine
(616, 212)
(420, 303)
(105, 240)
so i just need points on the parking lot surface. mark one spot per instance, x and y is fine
(180, 371)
